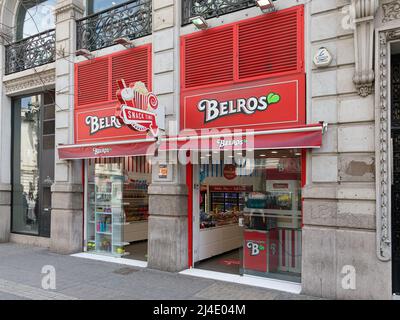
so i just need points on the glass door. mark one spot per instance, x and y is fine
(104, 208)
(32, 163)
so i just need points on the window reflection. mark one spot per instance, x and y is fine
(94, 6)
(35, 16)
(26, 169)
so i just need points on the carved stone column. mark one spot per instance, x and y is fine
(168, 200)
(364, 11)
(67, 204)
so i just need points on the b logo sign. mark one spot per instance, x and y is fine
(254, 247)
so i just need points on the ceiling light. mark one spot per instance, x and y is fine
(124, 41)
(263, 155)
(85, 53)
(199, 22)
(274, 152)
(266, 5)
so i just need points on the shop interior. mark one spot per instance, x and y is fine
(117, 206)
(247, 218)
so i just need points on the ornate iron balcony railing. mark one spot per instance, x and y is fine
(31, 52)
(212, 8)
(129, 20)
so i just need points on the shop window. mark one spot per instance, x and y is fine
(35, 16)
(250, 220)
(116, 209)
(33, 163)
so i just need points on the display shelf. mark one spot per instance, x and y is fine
(270, 212)
(220, 226)
(102, 232)
(136, 221)
(120, 244)
(121, 223)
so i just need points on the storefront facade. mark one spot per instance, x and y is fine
(246, 170)
(281, 119)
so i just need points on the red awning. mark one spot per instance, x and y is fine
(308, 136)
(105, 150)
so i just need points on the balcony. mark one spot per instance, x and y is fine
(130, 20)
(212, 8)
(31, 52)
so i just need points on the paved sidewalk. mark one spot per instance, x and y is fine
(78, 278)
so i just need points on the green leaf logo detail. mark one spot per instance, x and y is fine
(273, 98)
(261, 247)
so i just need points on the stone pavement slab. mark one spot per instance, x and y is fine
(77, 278)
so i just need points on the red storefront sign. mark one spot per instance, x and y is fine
(98, 95)
(130, 118)
(102, 125)
(260, 250)
(271, 103)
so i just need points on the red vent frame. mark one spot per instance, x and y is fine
(243, 69)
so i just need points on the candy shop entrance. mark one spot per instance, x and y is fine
(247, 217)
(116, 206)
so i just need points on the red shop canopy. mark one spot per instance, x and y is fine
(142, 147)
(307, 136)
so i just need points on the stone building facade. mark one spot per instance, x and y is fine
(348, 198)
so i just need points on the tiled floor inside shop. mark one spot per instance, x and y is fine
(137, 250)
(228, 262)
